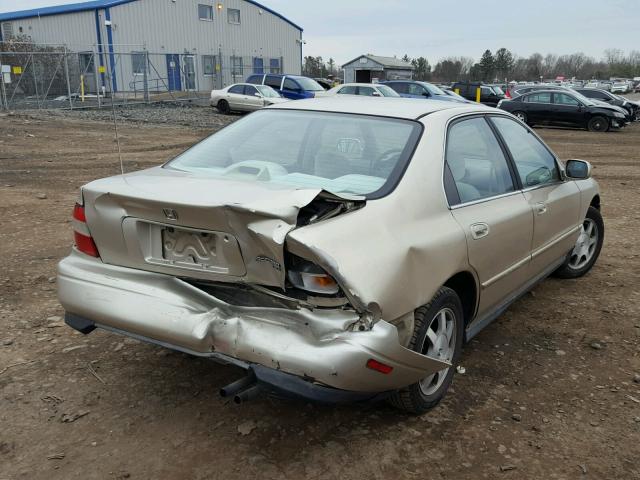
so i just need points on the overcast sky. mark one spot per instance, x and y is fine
(344, 29)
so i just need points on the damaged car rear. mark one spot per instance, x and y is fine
(311, 245)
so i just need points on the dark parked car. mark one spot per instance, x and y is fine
(294, 87)
(563, 108)
(489, 95)
(415, 89)
(612, 99)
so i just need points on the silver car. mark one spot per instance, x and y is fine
(244, 97)
(337, 249)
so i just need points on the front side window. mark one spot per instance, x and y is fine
(233, 16)
(400, 87)
(139, 63)
(416, 89)
(366, 91)
(205, 12)
(564, 99)
(544, 97)
(534, 162)
(341, 153)
(290, 85)
(477, 164)
(387, 91)
(208, 64)
(250, 90)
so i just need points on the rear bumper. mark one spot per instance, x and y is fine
(315, 346)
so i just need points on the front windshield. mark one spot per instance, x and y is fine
(309, 84)
(338, 152)
(267, 91)
(387, 91)
(433, 90)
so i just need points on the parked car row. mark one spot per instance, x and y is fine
(535, 104)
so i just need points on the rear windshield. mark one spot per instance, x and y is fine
(341, 153)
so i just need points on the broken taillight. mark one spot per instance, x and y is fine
(81, 234)
(379, 366)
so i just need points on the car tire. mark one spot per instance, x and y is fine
(445, 308)
(521, 116)
(598, 124)
(223, 107)
(587, 248)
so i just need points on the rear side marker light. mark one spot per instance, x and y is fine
(379, 366)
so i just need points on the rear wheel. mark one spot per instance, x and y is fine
(438, 332)
(598, 124)
(587, 248)
(223, 107)
(521, 116)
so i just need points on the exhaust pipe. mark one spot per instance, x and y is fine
(238, 385)
(247, 394)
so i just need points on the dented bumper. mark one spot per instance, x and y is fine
(317, 346)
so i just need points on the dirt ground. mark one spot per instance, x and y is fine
(548, 393)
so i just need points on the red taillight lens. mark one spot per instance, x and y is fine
(81, 233)
(379, 366)
(86, 244)
(78, 213)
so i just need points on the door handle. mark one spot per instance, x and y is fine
(541, 208)
(479, 230)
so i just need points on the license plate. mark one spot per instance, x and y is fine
(190, 248)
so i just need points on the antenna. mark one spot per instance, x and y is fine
(113, 114)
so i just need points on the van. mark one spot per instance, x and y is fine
(293, 87)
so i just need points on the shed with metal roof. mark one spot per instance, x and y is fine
(372, 68)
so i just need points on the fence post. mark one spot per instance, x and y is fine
(4, 104)
(145, 77)
(35, 80)
(66, 74)
(98, 81)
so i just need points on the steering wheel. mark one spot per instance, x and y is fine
(384, 160)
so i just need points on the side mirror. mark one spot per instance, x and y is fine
(426, 94)
(577, 169)
(257, 95)
(376, 94)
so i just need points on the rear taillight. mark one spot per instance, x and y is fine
(81, 234)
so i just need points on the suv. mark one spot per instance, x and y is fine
(294, 87)
(488, 94)
(416, 89)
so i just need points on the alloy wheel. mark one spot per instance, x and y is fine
(585, 246)
(440, 343)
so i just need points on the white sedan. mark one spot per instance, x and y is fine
(244, 97)
(364, 89)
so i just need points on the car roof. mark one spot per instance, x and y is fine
(358, 84)
(394, 107)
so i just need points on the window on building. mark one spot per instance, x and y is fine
(139, 63)
(86, 62)
(209, 65)
(274, 66)
(205, 12)
(236, 66)
(233, 15)
(7, 30)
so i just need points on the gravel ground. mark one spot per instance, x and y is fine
(551, 389)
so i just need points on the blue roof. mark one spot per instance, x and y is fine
(98, 4)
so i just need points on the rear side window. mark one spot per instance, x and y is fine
(477, 164)
(348, 90)
(538, 98)
(273, 81)
(534, 162)
(239, 89)
(400, 87)
(255, 79)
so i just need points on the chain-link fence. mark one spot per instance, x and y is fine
(56, 77)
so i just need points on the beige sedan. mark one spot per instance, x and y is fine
(337, 249)
(244, 97)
